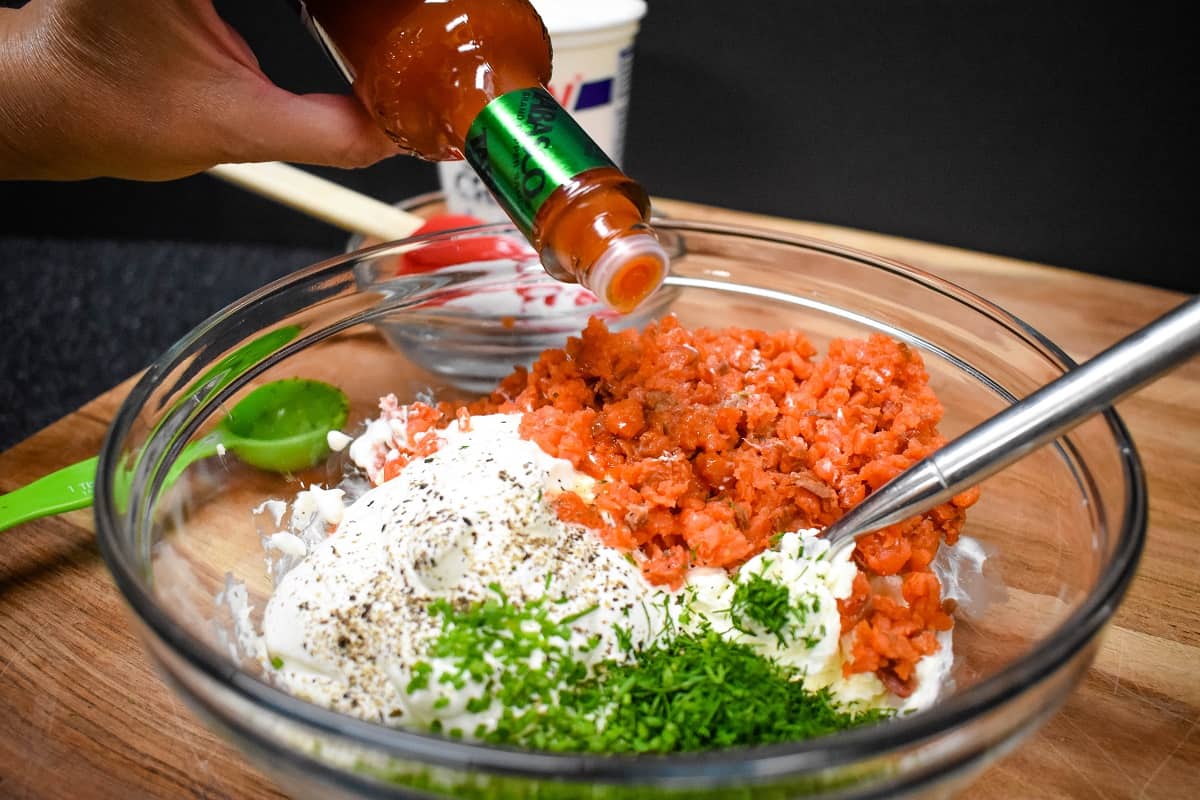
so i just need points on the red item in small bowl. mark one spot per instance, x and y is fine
(436, 255)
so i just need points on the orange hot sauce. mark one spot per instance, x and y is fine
(449, 79)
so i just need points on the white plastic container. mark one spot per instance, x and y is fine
(593, 68)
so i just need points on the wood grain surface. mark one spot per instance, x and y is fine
(83, 714)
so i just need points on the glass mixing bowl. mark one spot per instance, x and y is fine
(1064, 527)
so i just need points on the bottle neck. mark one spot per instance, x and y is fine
(525, 147)
(584, 216)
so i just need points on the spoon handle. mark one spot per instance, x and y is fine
(321, 198)
(68, 489)
(1037, 420)
(71, 488)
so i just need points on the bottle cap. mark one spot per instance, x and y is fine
(573, 16)
(629, 271)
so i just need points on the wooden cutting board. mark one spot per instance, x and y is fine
(82, 713)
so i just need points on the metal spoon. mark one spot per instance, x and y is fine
(1024, 427)
(279, 427)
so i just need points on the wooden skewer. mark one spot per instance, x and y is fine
(320, 198)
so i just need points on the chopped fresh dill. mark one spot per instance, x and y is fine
(765, 603)
(814, 639)
(697, 692)
(688, 691)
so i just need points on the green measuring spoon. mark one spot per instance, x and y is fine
(279, 427)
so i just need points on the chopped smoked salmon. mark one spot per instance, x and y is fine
(707, 443)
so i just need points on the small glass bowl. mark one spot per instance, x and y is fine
(1065, 526)
(487, 327)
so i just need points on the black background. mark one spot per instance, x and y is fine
(1055, 132)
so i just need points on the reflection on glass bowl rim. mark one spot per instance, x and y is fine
(1084, 498)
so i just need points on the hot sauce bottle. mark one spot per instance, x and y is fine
(449, 79)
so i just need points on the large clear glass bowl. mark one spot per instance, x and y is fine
(1065, 526)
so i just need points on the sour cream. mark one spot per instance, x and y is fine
(349, 620)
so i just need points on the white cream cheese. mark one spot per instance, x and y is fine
(348, 622)
(815, 581)
(318, 504)
(338, 441)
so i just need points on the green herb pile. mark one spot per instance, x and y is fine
(761, 602)
(691, 690)
(532, 650)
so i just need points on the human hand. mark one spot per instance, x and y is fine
(155, 90)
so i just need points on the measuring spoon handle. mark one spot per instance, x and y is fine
(68, 489)
(71, 487)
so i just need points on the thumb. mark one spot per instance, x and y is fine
(322, 129)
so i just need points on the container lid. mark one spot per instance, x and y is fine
(579, 16)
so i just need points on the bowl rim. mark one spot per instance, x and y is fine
(750, 763)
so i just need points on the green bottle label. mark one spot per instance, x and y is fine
(524, 145)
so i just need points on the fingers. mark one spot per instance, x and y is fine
(156, 91)
(324, 129)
